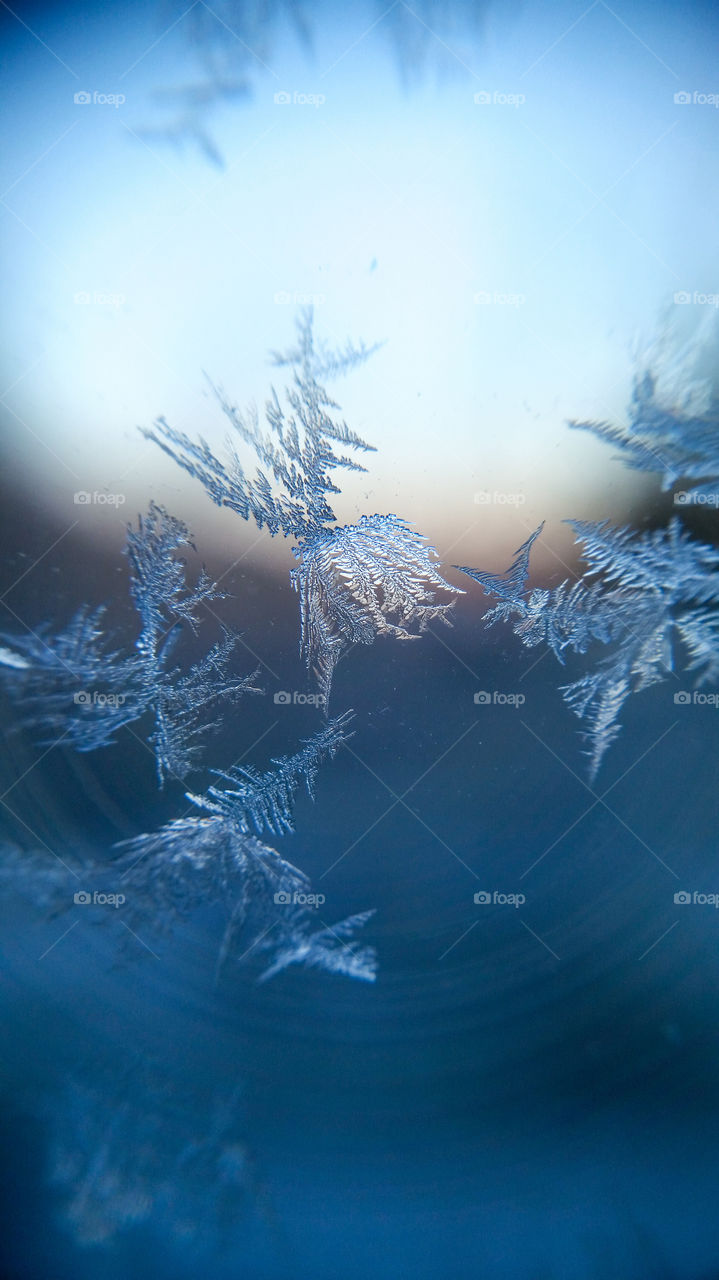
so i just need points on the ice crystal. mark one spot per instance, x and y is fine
(298, 452)
(273, 918)
(169, 873)
(356, 581)
(360, 581)
(231, 42)
(330, 948)
(165, 876)
(269, 905)
(78, 686)
(265, 801)
(651, 596)
(673, 419)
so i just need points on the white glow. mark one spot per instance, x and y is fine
(394, 209)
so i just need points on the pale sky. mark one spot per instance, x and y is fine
(511, 253)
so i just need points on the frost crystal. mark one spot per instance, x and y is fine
(265, 801)
(354, 582)
(170, 873)
(652, 597)
(298, 452)
(326, 948)
(76, 685)
(360, 581)
(677, 441)
(647, 592)
(193, 862)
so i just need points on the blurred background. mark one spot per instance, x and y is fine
(519, 201)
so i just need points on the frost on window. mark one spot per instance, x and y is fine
(269, 904)
(233, 48)
(273, 918)
(355, 582)
(270, 907)
(257, 802)
(649, 598)
(78, 685)
(673, 426)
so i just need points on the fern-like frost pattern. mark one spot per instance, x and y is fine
(650, 596)
(76, 685)
(355, 582)
(196, 860)
(167, 875)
